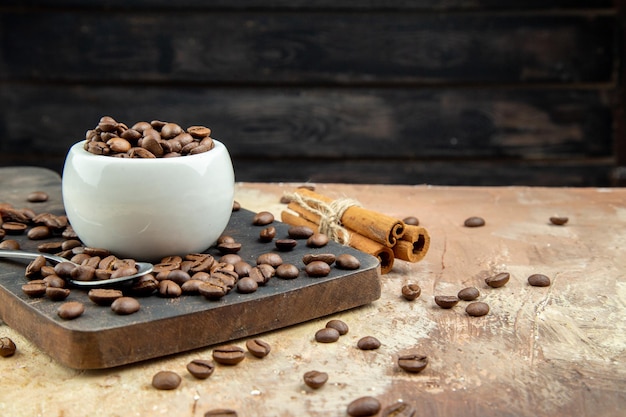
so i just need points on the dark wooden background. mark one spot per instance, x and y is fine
(478, 92)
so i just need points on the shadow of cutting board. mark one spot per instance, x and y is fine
(164, 326)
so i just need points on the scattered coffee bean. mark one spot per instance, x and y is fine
(14, 228)
(411, 220)
(315, 379)
(399, 409)
(468, 294)
(71, 310)
(498, 280)
(269, 258)
(329, 258)
(228, 355)
(317, 240)
(35, 288)
(10, 244)
(262, 218)
(317, 269)
(201, 368)
(287, 271)
(166, 380)
(474, 222)
(411, 291)
(39, 232)
(213, 289)
(368, 343)
(558, 220)
(327, 335)
(446, 301)
(144, 286)
(169, 289)
(125, 306)
(230, 247)
(477, 309)
(338, 325)
(413, 362)
(267, 234)
(37, 197)
(539, 280)
(300, 232)
(57, 294)
(262, 273)
(236, 206)
(285, 245)
(258, 348)
(7, 347)
(363, 407)
(221, 412)
(104, 296)
(348, 262)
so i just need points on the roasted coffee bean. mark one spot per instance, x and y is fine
(228, 355)
(262, 218)
(213, 289)
(317, 240)
(34, 289)
(192, 286)
(102, 253)
(166, 380)
(329, 258)
(477, 309)
(170, 130)
(558, 220)
(498, 280)
(539, 280)
(39, 232)
(64, 269)
(368, 343)
(57, 294)
(71, 310)
(267, 234)
(230, 258)
(69, 233)
(411, 220)
(411, 291)
(242, 268)
(54, 281)
(199, 132)
(446, 301)
(176, 275)
(34, 267)
(269, 258)
(285, 245)
(287, 271)
(37, 197)
(144, 286)
(247, 285)
(14, 228)
(236, 206)
(104, 296)
(468, 294)
(413, 362)
(474, 222)
(338, 325)
(7, 347)
(125, 306)
(169, 289)
(201, 368)
(347, 261)
(364, 407)
(399, 409)
(262, 273)
(10, 244)
(225, 239)
(315, 379)
(300, 232)
(258, 348)
(327, 335)
(221, 412)
(230, 247)
(83, 273)
(70, 244)
(317, 269)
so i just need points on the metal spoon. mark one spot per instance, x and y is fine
(143, 268)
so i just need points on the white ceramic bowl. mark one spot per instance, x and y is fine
(146, 209)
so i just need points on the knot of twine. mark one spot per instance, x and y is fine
(330, 215)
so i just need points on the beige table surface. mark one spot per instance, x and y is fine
(557, 351)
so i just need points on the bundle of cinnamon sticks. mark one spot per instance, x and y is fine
(377, 234)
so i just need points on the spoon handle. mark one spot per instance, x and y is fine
(9, 253)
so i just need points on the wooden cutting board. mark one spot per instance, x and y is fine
(164, 326)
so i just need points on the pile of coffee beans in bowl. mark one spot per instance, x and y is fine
(155, 139)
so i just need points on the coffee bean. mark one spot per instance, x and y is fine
(104, 296)
(327, 335)
(242, 268)
(258, 348)
(83, 273)
(539, 280)
(54, 281)
(363, 407)
(315, 379)
(558, 220)
(34, 267)
(262, 273)
(34, 289)
(247, 285)
(144, 286)
(287, 271)
(201, 368)
(468, 294)
(474, 222)
(178, 276)
(14, 228)
(57, 294)
(37, 197)
(10, 244)
(199, 132)
(231, 258)
(262, 218)
(125, 306)
(338, 325)
(192, 286)
(39, 232)
(399, 409)
(329, 258)
(228, 355)
(411, 220)
(300, 232)
(7, 347)
(498, 280)
(413, 362)
(446, 301)
(236, 206)
(230, 247)
(221, 412)
(317, 240)
(411, 291)
(285, 245)
(213, 289)
(269, 258)
(317, 269)
(368, 343)
(267, 234)
(71, 310)
(166, 380)
(477, 309)
(348, 262)
(169, 289)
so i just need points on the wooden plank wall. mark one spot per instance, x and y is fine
(483, 92)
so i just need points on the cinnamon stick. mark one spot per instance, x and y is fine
(413, 245)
